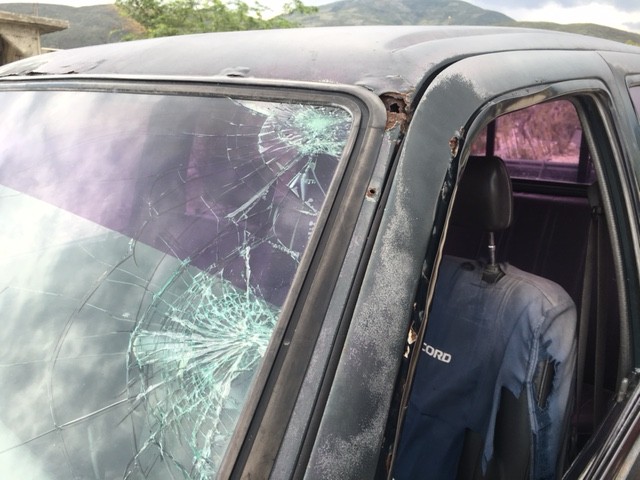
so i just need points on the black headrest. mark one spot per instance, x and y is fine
(484, 199)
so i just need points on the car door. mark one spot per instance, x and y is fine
(616, 452)
(455, 108)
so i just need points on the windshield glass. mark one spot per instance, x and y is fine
(148, 243)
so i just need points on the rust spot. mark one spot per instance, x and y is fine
(455, 142)
(453, 145)
(372, 192)
(397, 110)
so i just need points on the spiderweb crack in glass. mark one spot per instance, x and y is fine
(193, 350)
(207, 338)
(312, 131)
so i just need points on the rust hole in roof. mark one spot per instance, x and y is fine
(396, 106)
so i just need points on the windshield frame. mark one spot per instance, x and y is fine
(365, 109)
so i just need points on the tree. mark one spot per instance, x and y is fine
(162, 18)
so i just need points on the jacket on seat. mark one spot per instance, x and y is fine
(481, 338)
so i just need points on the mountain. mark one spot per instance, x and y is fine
(88, 25)
(104, 23)
(400, 12)
(590, 29)
(438, 12)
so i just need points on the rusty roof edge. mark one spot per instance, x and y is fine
(389, 59)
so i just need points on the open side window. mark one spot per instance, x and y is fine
(561, 232)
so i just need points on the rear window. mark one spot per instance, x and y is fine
(149, 242)
(542, 142)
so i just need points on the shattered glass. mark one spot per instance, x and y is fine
(148, 243)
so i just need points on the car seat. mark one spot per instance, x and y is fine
(496, 366)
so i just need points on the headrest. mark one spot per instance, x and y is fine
(484, 199)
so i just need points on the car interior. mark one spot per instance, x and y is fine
(557, 231)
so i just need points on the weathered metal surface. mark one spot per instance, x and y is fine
(381, 59)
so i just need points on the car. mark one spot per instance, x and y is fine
(239, 255)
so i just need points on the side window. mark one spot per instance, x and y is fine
(542, 142)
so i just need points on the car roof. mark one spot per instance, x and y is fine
(384, 59)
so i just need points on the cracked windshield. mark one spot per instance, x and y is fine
(148, 244)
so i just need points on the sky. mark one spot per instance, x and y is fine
(622, 14)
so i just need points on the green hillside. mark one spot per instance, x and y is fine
(590, 29)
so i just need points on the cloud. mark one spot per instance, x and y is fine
(624, 5)
(500, 5)
(601, 12)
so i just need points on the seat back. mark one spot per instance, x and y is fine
(496, 365)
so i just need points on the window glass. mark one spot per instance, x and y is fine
(635, 98)
(541, 142)
(148, 244)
